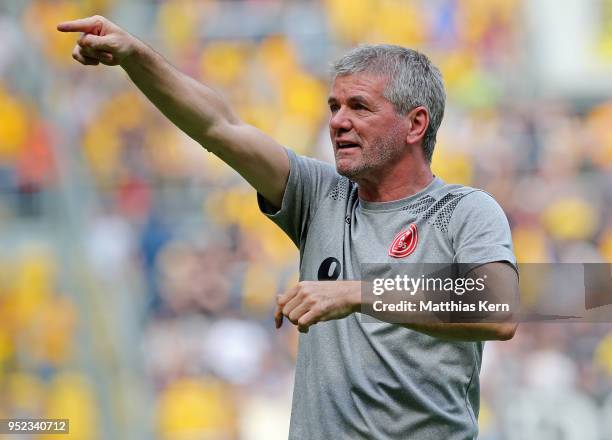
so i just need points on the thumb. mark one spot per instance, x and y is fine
(96, 42)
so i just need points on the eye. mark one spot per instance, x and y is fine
(334, 108)
(359, 106)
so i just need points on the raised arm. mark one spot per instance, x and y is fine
(193, 107)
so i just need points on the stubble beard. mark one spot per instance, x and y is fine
(381, 153)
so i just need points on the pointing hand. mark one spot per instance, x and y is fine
(101, 41)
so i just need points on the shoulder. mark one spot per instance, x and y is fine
(461, 198)
(454, 191)
(478, 228)
(475, 201)
(438, 206)
(451, 205)
(474, 208)
(313, 169)
(308, 162)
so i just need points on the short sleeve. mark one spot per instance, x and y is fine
(309, 181)
(479, 231)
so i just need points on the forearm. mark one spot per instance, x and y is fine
(193, 107)
(422, 321)
(485, 331)
(310, 302)
(467, 331)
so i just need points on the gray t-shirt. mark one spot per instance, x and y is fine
(359, 380)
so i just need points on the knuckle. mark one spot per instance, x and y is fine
(113, 44)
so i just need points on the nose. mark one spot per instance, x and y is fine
(340, 121)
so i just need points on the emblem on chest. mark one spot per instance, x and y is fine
(405, 242)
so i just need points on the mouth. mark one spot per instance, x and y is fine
(346, 145)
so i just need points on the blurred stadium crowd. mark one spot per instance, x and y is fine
(137, 277)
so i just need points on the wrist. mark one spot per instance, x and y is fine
(135, 55)
(355, 296)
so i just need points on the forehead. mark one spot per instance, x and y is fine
(365, 84)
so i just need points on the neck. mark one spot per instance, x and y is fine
(403, 180)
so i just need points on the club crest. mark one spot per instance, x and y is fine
(405, 242)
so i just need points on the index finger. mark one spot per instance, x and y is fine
(89, 25)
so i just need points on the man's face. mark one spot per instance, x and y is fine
(366, 132)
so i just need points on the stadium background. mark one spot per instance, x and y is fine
(136, 276)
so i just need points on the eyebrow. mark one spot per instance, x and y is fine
(357, 98)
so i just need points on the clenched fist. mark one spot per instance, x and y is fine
(310, 302)
(101, 41)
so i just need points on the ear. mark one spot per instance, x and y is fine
(418, 121)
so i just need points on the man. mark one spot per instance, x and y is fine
(381, 204)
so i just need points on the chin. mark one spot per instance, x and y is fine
(345, 173)
(348, 171)
(343, 168)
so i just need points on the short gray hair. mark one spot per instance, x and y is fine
(414, 81)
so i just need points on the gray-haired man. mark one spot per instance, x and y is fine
(380, 204)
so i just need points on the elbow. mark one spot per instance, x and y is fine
(506, 331)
